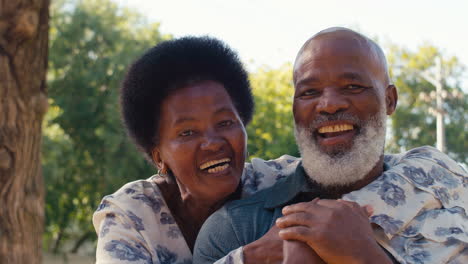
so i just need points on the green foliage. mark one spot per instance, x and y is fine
(413, 124)
(86, 154)
(271, 133)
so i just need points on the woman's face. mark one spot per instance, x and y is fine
(202, 141)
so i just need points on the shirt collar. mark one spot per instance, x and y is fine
(285, 191)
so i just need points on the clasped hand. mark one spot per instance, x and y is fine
(319, 231)
(337, 231)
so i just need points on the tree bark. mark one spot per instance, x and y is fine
(24, 28)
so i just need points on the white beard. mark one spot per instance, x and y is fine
(349, 166)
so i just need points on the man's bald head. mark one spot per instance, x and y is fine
(351, 39)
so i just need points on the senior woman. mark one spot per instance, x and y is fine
(185, 104)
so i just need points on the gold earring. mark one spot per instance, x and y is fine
(162, 170)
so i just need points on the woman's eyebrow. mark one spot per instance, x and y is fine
(183, 120)
(223, 110)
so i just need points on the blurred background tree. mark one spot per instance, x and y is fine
(414, 122)
(87, 155)
(271, 132)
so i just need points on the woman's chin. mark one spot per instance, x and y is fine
(224, 182)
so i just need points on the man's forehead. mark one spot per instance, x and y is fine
(343, 43)
(334, 45)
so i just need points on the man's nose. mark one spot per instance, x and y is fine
(331, 102)
(212, 141)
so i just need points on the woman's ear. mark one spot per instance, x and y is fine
(156, 156)
(158, 160)
(391, 99)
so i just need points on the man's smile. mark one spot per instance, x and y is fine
(334, 128)
(334, 133)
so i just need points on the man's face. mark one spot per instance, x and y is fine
(339, 107)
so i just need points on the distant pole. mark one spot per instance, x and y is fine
(439, 104)
(437, 79)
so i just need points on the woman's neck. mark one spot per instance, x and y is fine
(188, 211)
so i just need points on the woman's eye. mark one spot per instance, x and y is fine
(186, 133)
(225, 123)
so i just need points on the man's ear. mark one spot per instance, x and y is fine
(391, 98)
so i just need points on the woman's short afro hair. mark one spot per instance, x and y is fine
(174, 64)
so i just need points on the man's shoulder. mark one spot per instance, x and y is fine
(236, 224)
(241, 215)
(257, 200)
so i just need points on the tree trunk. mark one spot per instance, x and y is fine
(24, 28)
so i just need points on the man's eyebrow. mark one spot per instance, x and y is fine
(351, 76)
(307, 80)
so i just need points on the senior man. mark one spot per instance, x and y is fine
(415, 214)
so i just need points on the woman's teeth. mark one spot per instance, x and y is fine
(335, 128)
(218, 168)
(215, 162)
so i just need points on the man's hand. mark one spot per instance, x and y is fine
(297, 252)
(267, 249)
(338, 231)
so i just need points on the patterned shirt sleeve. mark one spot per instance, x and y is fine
(261, 174)
(420, 206)
(234, 257)
(119, 240)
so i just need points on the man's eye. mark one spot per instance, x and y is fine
(310, 93)
(186, 133)
(355, 87)
(225, 123)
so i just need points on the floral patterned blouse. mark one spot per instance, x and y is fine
(420, 203)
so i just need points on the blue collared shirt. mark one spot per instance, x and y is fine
(419, 213)
(241, 222)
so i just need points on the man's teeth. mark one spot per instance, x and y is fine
(214, 162)
(218, 168)
(335, 128)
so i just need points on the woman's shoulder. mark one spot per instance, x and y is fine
(132, 190)
(135, 197)
(135, 223)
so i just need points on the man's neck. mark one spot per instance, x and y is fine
(338, 191)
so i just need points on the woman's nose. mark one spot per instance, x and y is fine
(212, 142)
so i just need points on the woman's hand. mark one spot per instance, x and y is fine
(296, 252)
(267, 249)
